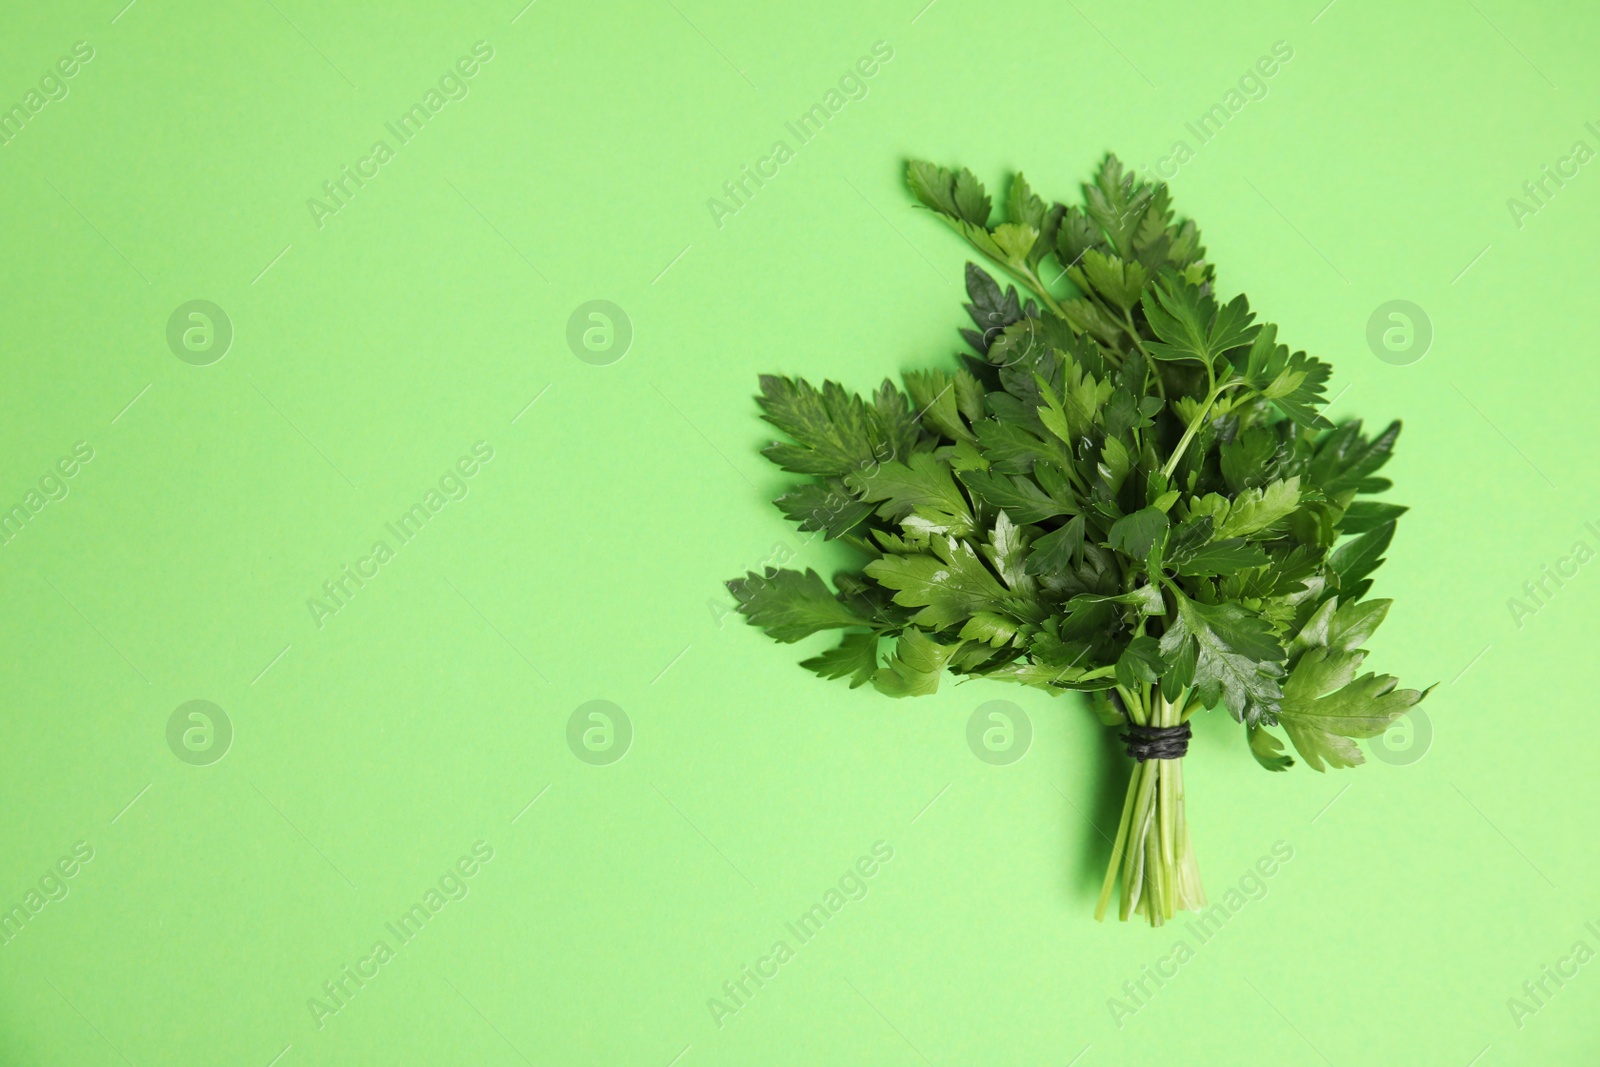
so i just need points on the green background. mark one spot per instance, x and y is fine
(585, 562)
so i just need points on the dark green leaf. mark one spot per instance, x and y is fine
(937, 398)
(915, 667)
(1293, 382)
(1236, 658)
(856, 657)
(1323, 706)
(950, 586)
(1222, 557)
(1117, 202)
(934, 186)
(1059, 550)
(1135, 535)
(1139, 663)
(1076, 235)
(1358, 557)
(1187, 538)
(991, 312)
(1247, 458)
(837, 432)
(790, 605)
(1267, 749)
(1013, 449)
(1190, 324)
(1019, 495)
(1345, 458)
(1364, 515)
(920, 494)
(972, 203)
(828, 506)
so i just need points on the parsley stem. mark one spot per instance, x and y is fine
(1137, 871)
(1217, 389)
(1188, 435)
(1117, 848)
(1133, 332)
(1152, 368)
(1134, 706)
(1032, 281)
(1152, 852)
(1168, 717)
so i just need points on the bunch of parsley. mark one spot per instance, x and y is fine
(1125, 490)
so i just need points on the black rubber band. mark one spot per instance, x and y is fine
(1157, 742)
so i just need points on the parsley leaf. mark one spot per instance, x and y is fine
(826, 505)
(1135, 535)
(920, 494)
(915, 667)
(1190, 324)
(1228, 654)
(1355, 559)
(1257, 512)
(1323, 707)
(1267, 749)
(1293, 382)
(949, 585)
(991, 312)
(856, 658)
(836, 432)
(790, 605)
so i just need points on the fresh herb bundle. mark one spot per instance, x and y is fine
(1126, 490)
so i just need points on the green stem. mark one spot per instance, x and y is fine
(1188, 435)
(1133, 332)
(1167, 717)
(1152, 851)
(1135, 874)
(1216, 390)
(1044, 294)
(1116, 851)
(1134, 706)
(1194, 427)
(1029, 279)
(1153, 369)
